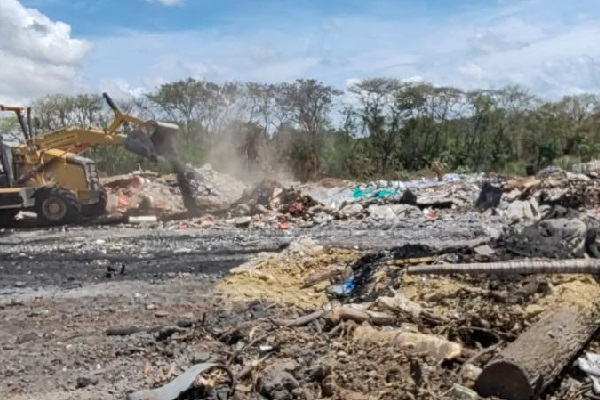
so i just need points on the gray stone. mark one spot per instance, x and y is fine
(351, 210)
(471, 372)
(322, 218)
(429, 201)
(483, 250)
(572, 232)
(522, 210)
(276, 383)
(381, 213)
(405, 210)
(243, 222)
(462, 393)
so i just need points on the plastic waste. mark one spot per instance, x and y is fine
(349, 285)
(343, 290)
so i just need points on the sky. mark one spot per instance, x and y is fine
(127, 47)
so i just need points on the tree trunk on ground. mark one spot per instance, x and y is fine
(527, 366)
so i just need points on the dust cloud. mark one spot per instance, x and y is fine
(230, 154)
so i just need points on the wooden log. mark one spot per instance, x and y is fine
(527, 366)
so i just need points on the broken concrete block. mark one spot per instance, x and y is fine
(405, 210)
(351, 210)
(381, 213)
(243, 222)
(522, 210)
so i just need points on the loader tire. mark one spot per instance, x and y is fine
(7, 218)
(97, 209)
(57, 207)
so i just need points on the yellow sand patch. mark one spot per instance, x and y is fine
(279, 277)
(581, 291)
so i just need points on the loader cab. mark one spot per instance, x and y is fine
(6, 165)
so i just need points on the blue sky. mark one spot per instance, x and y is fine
(129, 46)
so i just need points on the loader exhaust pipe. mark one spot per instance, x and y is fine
(29, 124)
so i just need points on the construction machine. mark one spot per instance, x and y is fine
(48, 175)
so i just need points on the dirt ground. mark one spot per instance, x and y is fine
(98, 313)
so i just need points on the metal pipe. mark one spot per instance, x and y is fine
(571, 266)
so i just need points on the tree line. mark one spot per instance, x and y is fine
(378, 128)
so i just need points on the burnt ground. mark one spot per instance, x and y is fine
(60, 290)
(72, 256)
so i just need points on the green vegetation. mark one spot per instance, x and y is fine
(379, 128)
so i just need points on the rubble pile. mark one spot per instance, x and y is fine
(538, 197)
(148, 193)
(382, 334)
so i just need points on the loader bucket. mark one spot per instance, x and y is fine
(164, 139)
(152, 140)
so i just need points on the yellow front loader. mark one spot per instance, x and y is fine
(46, 174)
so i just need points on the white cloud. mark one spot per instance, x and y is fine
(168, 3)
(544, 45)
(38, 55)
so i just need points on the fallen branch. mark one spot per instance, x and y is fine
(302, 321)
(236, 329)
(538, 356)
(359, 316)
(163, 331)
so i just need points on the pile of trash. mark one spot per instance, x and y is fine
(221, 199)
(270, 204)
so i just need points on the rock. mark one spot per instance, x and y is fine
(522, 210)
(483, 250)
(462, 393)
(243, 222)
(381, 213)
(471, 372)
(435, 201)
(200, 357)
(242, 210)
(277, 384)
(535, 206)
(161, 314)
(572, 232)
(405, 210)
(513, 195)
(83, 381)
(261, 209)
(322, 218)
(534, 310)
(351, 210)
(27, 337)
